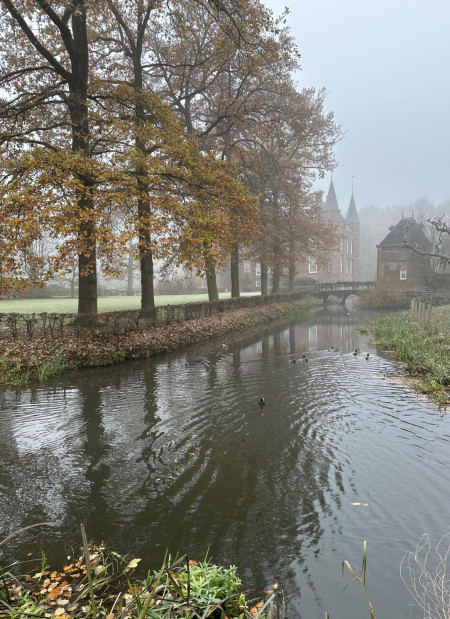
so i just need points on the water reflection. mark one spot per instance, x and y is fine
(175, 453)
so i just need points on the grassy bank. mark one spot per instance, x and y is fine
(39, 358)
(105, 304)
(426, 356)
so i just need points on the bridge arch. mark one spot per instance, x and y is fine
(341, 291)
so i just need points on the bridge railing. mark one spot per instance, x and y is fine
(345, 286)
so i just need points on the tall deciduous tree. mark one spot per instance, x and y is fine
(214, 81)
(92, 144)
(282, 157)
(45, 70)
(134, 27)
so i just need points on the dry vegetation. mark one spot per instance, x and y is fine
(23, 360)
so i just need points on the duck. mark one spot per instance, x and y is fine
(294, 360)
(367, 356)
(223, 345)
(357, 351)
(304, 358)
(261, 401)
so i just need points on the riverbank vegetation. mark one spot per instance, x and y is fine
(99, 583)
(381, 297)
(425, 354)
(38, 358)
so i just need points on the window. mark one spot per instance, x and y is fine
(342, 264)
(246, 266)
(329, 266)
(258, 283)
(402, 273)
(312, 265)
(257, 269)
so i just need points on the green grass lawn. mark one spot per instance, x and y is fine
(105, 304)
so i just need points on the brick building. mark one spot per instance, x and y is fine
(399, 267)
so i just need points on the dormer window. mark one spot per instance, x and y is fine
(403, 274)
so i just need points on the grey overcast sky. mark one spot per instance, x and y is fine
(386, 67)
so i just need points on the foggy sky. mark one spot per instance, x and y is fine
(385, 65)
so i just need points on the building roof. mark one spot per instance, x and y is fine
(331, 203)
(409, 230)
(352, 215)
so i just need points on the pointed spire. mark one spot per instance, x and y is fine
(331, 203)
(352, 215)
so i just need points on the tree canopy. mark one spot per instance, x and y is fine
(176, 124)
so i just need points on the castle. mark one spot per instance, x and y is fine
(341, 265)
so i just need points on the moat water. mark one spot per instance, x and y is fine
(175, 453)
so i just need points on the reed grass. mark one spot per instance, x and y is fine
(425, 355)
(360, 577)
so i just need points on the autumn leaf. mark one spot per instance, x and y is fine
(56, 590)
(132, 565)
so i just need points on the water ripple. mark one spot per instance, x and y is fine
(176, 453)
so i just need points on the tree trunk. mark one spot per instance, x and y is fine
(72, 284)
(264, 279)
(87, 250)
(145, 255)
(144, 208)
(79, 116)
(235, 292)
(276, 281)
(130, 271)
(276, 246)
(263, 261)
(148, 293)
(211, 282)
(87, 281)
(291, 277)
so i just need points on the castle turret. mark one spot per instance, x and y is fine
(332, 214)
(352, 223)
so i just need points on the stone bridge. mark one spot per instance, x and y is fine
(341, 290)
